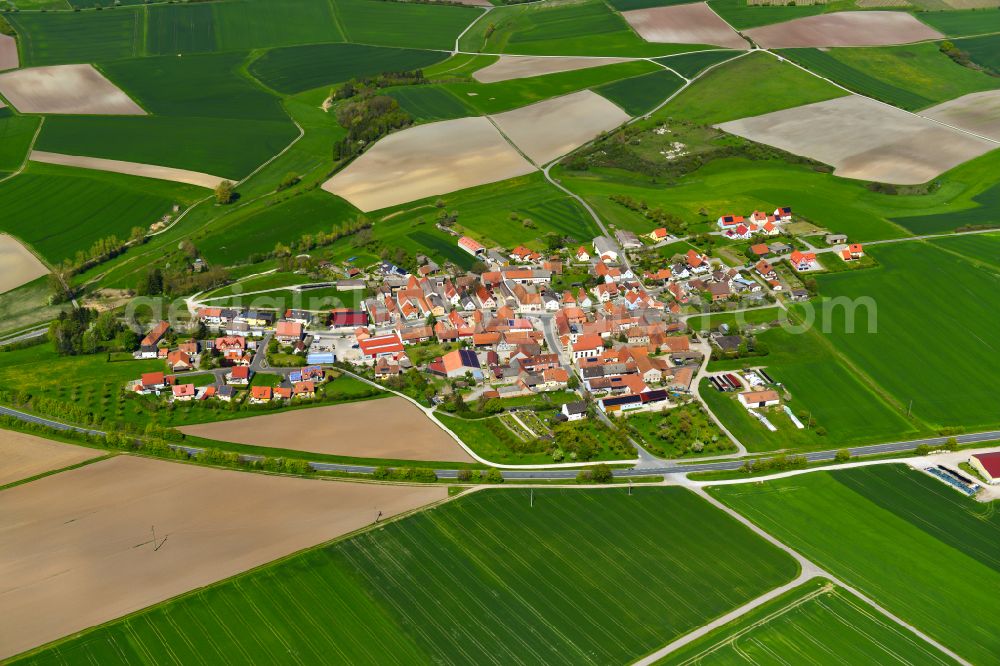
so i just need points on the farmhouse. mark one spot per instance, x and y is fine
(987, 464)
(574, 411)
(148, 345)
(758, 398)
(183, 392)
(461, 361)
(239, 375)
(288, 331)
(605, 248)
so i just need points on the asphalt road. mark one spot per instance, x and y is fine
(670, 468)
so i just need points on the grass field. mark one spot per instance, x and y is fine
(298, 68)
(473, 580)
(689, 64)
(959, 23)
(741, 15)
(986, 212)
(736, 320)
(816, 623)
(979, 247)
(60, 210)
(16, 133)
(950, 387)
(985, 51)
(910, 77)
(322, 298)
(66, 37)
(27, 305)
(410, 25)
(640, 94)
(941, 543)
(760, 81)
(430, 103)
(562, 28)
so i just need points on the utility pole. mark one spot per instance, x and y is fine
(630, 487)
(531, 500)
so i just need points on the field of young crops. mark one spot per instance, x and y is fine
(985, 212)
(60, 210)
(951, 386)
(16, 133)
(815, 623)
(69, 37)
(407, 24)
(430, 103)
(959, 23)
(483, 578)
(640, 94)
(945, 566)
(690, 64)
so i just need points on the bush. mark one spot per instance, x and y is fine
(464, 475)
(493, 475)
(843, 455)
(602, 474)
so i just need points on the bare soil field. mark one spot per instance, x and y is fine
(76, 548)
(76, 89)
(8, 53)
(426, 160)
(385, 428)
(864, 139)
(871, 28)
(523, 67)
(684, 24)
(977, 112)
(129, 168)
(17, 265)
(549, 129)
(26, 455)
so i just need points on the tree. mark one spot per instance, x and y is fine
(493, 475)
(602, 474)
(843, 455)
(951, 444)
(224, 193)
(922, 450)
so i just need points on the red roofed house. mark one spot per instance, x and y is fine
(802, 261)
(304, 389)
(239, 375)
(582, 254)
(760, 249)
(147, 347)
(555, 379)
(987, 464)
(852, 252)
(151, 381)
(588, 345)
(472, 247)
(765, 269)
(658, 234)
(730, 221)
(380, 345)
(259, 394)
(183, 392)
(347, 318)
(179, 361)
(288, 331)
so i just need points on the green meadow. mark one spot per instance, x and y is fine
(978, 247)
(985, 51)
(741, 15)
(68, 37)
(913, 544)
(817, 623)
(406, 24)
(430, 103)
(298, 68)
(60, 210)
(690, 64)
(473, 580)
(959, 23)
(640, 94)
(921, 289)
(910, 77)
(16, 133)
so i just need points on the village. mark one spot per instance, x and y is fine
(603, 326)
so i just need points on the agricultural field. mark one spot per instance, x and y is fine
(430, 103)
(907, 301)
(911, 77)
(816, 622)
(691, 64)
(982, 50)
(959, 23)
(57, 38)
(505, 68)
(26, 456)
(979, 248)
(741, 15)
(848, 520)
(16, 134)
(869, 28)
(59, 211)
(641, 94)
(390, 579)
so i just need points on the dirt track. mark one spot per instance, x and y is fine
(25, 455)
(76, 89)
(385, 428)
(694, 23)
(129, 168)
(428, 160)
(8, 52)
(76, 548)
(17, 264)
(545, 130)
(523, 67)
(977, 112)
(869, 28)
(864, 139)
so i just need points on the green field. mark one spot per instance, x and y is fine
(978, 247)
(736, 320)
(316, 300)
(911, 77)
(60, 210)
(945, 566)
(950, 387)
(690, 64)
(816, 623)
(562, 28)
(65, 37)
(762, 84)
(959, 23)
(298, 68)
(411, 25)
(986, 212)
(430, 103)
(16, 133)
(474, 580)
(985, 51)
(641, 94)
(740, 15)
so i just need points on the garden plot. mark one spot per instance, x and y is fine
(874, 28)
(684, 24)
(70, 89)
(17, 264)
(523, 67)
(977, 112)
(8, 53)
(25, 456)
(427, 160)
(78, 549)
(390, 428)
(128, 168)
(547, 130)
(864, 139)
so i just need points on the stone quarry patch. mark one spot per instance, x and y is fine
(871, 28)
(523, 67)
(75, 89)
(977, 112)
(694, 23)
(17, 264)
(428, 160)
(77, 548)
(546, 130)
(25, 456)
(864, 139)
(129, 168)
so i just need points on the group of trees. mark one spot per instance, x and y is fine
(367, 85)
(308, 242)
(180, 280)
(659, 217)
(83, 331)
(368, 119)
(962, 58)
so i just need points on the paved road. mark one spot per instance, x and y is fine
(20, 337)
